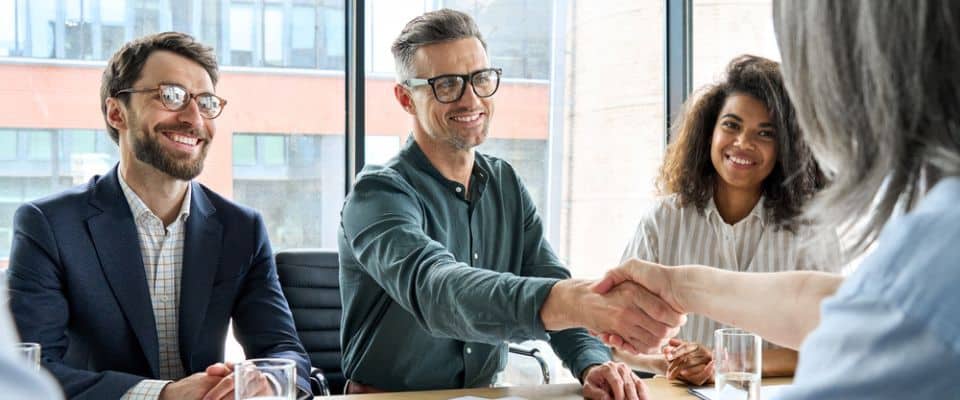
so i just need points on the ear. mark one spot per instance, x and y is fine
(405, 98)
(116, 114)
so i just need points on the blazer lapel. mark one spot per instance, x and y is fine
(114, 234)
(201, 259)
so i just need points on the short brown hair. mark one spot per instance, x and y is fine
(125, 66)
(688, 170)
(438, 26)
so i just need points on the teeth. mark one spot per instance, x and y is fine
(741, 161)
(467, 118)
(192, 141)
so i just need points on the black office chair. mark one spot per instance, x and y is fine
(310, 281)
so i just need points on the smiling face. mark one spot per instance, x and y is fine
(173, 142)
(744, 145)
(464, 123)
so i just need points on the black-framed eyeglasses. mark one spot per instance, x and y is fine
(450, 88)
(176, 98)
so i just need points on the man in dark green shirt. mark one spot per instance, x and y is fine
(442, 252)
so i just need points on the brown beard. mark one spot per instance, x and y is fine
(149, 151)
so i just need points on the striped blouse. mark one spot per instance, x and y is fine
(671, 235)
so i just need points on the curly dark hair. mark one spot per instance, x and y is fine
(688, 171)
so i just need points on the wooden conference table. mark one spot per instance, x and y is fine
(658, 388)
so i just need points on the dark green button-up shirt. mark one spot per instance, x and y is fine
(434, 280)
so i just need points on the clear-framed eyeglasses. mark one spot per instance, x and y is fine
(176, 98)
(450, 88)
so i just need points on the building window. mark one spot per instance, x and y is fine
(8, 144)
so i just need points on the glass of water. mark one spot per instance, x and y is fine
(738, 364)
(31, 352)
(265, 379)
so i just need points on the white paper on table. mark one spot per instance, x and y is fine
(484, 398)
(710, 393)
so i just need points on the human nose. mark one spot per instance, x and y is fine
(469, 95)
(746, 140)
(191, 112)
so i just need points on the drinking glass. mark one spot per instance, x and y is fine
(31, 353)
(738, 365)
(265, 379)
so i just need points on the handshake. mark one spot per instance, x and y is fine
(633, 308)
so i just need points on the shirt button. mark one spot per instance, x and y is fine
(459, 189)
(469, 350)
(476, 256)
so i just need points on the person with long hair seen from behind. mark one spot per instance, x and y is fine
(734, 182)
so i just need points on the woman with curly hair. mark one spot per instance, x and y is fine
(734, 183)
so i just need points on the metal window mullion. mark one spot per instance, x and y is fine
(258, 25)
(129, 22)
(96, 30)
(27, 50)
(286, 40)
(226, 48)
(196, 15)
(60, 30)
(678, 58)
(355, 76)
(556, 130)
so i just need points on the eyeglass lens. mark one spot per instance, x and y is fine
(450, 88)
(176, 97)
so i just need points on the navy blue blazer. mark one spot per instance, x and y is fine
(78, 287)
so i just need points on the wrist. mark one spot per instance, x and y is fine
(586, 371)
(683, 282)
(558, 311)
(164, 394)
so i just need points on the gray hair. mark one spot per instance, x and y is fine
(438, 26)
(876, 89)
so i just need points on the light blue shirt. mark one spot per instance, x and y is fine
(892, 330)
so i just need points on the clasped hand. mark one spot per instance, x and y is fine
(216, 383)
(644, 314)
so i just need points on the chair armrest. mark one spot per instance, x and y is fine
(318, 382)
(535, 354)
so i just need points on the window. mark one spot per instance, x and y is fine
(38, 145)
(112, 29)
(244, 150)
(579, 113)
(296, 152)
(305, 171)
(273, 36)
(303, 39)
(583, 129)
(9, 29)
(241, 36)
(8, 144)
(274, 150)
(333, 29)
(78, 31)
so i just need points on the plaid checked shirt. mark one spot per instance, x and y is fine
(162, 251)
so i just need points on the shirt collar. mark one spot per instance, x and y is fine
(140, 210)
(412, 152)
(757, 211)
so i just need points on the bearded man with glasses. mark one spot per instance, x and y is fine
(442, 253)
(130, 281)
